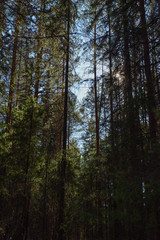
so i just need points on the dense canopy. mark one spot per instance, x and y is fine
(73, 169)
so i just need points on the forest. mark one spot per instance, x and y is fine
(79, 119)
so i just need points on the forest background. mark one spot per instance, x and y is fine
(73, 170)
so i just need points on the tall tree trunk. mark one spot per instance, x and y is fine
(150, 85)
(131, 131)
(128, 90)
(38, 64)
(61, 107)
(12, 81)
(18, 79)
(39, 56)
(95, 92)
(47, 160)
(27, 184)
(69, 123)
(61, 221)
(98, 230)
(111, 79)
(27, 83)
(44, 220)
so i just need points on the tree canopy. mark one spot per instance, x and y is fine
(75, 169)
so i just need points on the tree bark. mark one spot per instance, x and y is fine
(44, 220)
(150, 86)
(61, 232)
(47, 160)
(111, 80)
(12, 81)
(61, 108)
(98, 230)
(18, 79)
(27, 184)
(130, 112)
(39, 58)
(95, 92)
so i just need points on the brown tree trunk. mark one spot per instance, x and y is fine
(18, 79)
(27, 184)
(27, 81)
(39, 58)
(61, 114)
(130, 112)
(150, 86)
(61, 220)
(131, 131)
(12, 81)
(98, 230)
(45, 194)
(69, 123)
(44, 220)
(111, 80)
(95, 93)
(38, 64)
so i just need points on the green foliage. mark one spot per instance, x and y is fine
(113, 195)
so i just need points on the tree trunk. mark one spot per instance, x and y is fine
(61, 232)
(131, 131)
(150, 86)
(44, 220)
(99, 230)
(39, 58)
(69, 123)
(111, 80)
(130, 113)
(95, 93)
(61, 108)
(18, 79)
(47, 161)
(27, 184)
(12, 81)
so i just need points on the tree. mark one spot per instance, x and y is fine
(13, 69)
(150, 88)
(105, 185)
(61, 233)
